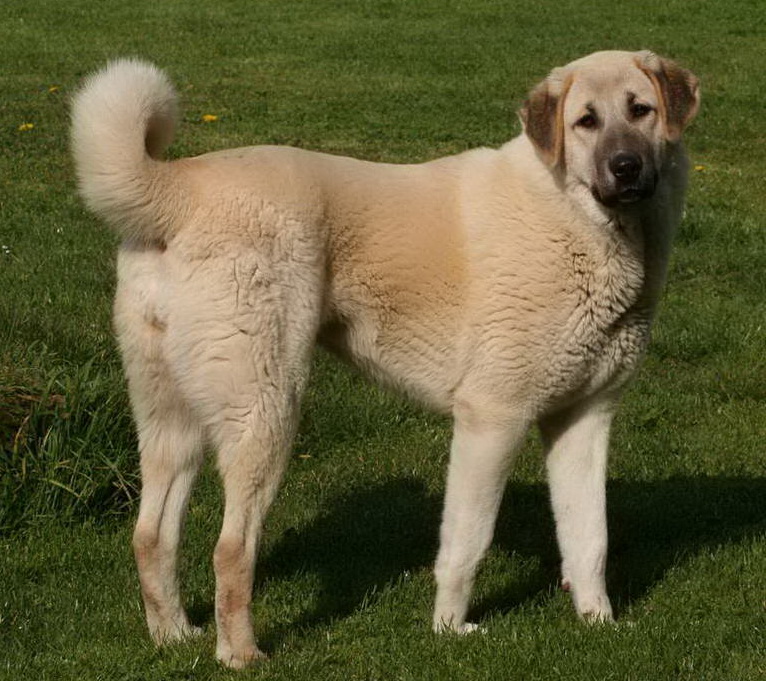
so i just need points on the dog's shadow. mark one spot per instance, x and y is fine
(366, 540)
(370, 537)
(653, 526)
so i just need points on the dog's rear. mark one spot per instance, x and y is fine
(122, 121)
(205, 360)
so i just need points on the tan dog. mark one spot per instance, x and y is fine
(506, 287)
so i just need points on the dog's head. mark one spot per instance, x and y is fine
(607, 120)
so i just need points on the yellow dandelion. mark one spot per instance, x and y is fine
(54, 88)
(699, 168)
(24, 127)
(209, 118)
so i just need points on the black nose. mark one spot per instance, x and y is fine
(626, 166)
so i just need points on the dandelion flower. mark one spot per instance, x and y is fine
(54, 88)
(209, 118)
(698, 168)
(24, 127)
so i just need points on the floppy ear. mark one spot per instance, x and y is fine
(678, 91)
(542, 117)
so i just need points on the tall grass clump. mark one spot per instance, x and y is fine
(67, 444)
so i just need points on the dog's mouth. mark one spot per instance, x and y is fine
(617, 194)
(625, 195)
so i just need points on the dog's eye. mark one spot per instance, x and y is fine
(588, 121)
(640, 110)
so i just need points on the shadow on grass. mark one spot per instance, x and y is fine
(365, 541)
(371, 536)
(653, 526)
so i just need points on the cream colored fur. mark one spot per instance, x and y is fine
(492, 285)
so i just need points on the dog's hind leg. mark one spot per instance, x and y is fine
(251, 461)
(171, 453)
(253, 433)
(480, 459)
(243, 348)
(170, 443)
(576, 445)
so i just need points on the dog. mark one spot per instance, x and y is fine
(506, 287)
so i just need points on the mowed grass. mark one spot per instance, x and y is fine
(344, 587)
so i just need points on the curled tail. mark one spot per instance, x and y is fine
(123, 119)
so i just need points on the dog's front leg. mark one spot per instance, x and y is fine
(576, 445)
(480, 460)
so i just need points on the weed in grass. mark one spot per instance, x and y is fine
(67, 449)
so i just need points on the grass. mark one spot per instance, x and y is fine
(344, 587)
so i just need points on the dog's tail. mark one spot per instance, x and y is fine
(123, 119)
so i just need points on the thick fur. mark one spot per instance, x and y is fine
(505, 287)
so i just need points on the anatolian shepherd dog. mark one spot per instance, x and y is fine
(505, 287)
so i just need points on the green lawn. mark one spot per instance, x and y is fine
(344, 588)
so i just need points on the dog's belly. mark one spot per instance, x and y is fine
(413, 357)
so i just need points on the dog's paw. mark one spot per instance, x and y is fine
(470, 628)
(461, 630)
(240, 659)
(597, 612)
(174, 632)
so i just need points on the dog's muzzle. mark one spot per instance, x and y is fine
(624, 177)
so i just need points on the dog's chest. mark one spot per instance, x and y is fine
(606, 325)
